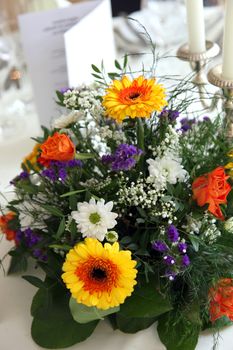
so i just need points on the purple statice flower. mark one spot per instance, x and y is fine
(186, 124)
(40, 255)
(19, 235)
(24, 175)
(31, 238)
(185, 260)
(159, 246)
(62, 174)
(65, 89)
(73, 163)
(172, 233)
(182, 247)
(171, 275)
(206, 119)
(169, 260)
(124, 157)
(50, 174)
(170, 114)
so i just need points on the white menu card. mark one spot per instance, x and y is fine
(60, 45)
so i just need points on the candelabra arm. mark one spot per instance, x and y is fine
(198, 62)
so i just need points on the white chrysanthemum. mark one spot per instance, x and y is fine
(166, 169)
(94, 218)
(66, 120)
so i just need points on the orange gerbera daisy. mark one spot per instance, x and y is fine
(97, 275)
(137, 98)
(221, 299)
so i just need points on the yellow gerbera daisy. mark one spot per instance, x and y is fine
(137, 98)
(98, 275)
(32, 157)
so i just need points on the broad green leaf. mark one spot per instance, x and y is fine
(35, 281)
(18, 263)
(133, 325)
(29, 188)
(146, 301)
(177, 333)
(84, 314)
(57, 329)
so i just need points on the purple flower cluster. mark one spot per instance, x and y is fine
(124, 158)
(58, 171)
(186, 124)
(31, 239)
(174, 252)
(170, 114)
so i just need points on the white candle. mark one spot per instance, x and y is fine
(196, 26)
(227, 67)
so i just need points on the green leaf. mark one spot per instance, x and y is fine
(61, 228)
(96, 76)
(71, 193)
(117, 65)
(29, 188)
(57, 329)
(52, 210)
(35, 281)
(18, 263)
(177, 333)
(60, 246)
(96, 69)
(125, 61)
(84, 314)
(195, 242)
(83, 156)
(133, 325)
(146, 301)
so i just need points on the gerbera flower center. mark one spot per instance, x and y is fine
(98, 274)
(134, 95)
(94, 218)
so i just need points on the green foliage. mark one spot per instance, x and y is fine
(133, 325)
(53, 326)
(147, 301)
(84, 314)
(177, 332)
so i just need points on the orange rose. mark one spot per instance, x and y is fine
(57, 147)
(4, 221)
(212, 188)
(221, 299)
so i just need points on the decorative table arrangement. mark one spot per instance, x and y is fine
(127, 207)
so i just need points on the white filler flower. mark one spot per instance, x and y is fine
(166, 169)
(94, 218)
(65, 120)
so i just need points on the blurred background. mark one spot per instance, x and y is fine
(164, 20)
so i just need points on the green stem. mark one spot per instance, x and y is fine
(140, 134)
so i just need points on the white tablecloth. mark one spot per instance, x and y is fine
(16, 294)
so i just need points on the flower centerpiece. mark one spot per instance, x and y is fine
(126, 204)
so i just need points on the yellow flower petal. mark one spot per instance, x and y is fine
(102, 276)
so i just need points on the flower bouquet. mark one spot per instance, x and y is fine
(126, 204)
